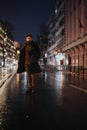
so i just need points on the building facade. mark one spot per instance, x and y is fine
(7, 48)
(55, 57)
(75, 36)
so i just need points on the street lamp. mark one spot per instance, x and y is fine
(4, 40)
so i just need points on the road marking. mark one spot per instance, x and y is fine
(78, 88)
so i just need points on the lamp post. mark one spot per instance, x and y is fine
(4, 40)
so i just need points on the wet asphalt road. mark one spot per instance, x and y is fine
(55, 105)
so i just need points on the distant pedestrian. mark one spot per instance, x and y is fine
(28, 61)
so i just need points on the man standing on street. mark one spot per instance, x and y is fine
(28, 61)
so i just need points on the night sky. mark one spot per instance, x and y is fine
(26, 15)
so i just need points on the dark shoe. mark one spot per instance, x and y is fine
(33, 91)
(29, 90)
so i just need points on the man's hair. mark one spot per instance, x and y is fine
(29, 35)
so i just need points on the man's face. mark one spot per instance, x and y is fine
(28, 39)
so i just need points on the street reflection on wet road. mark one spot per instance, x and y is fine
(55, 105)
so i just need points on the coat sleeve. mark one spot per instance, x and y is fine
(21, 67)
(37, 50)
(35, 54)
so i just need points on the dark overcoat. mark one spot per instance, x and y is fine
(34, 54)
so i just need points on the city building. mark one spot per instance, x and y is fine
(75, 36)
(7, 48)
(55, 57)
